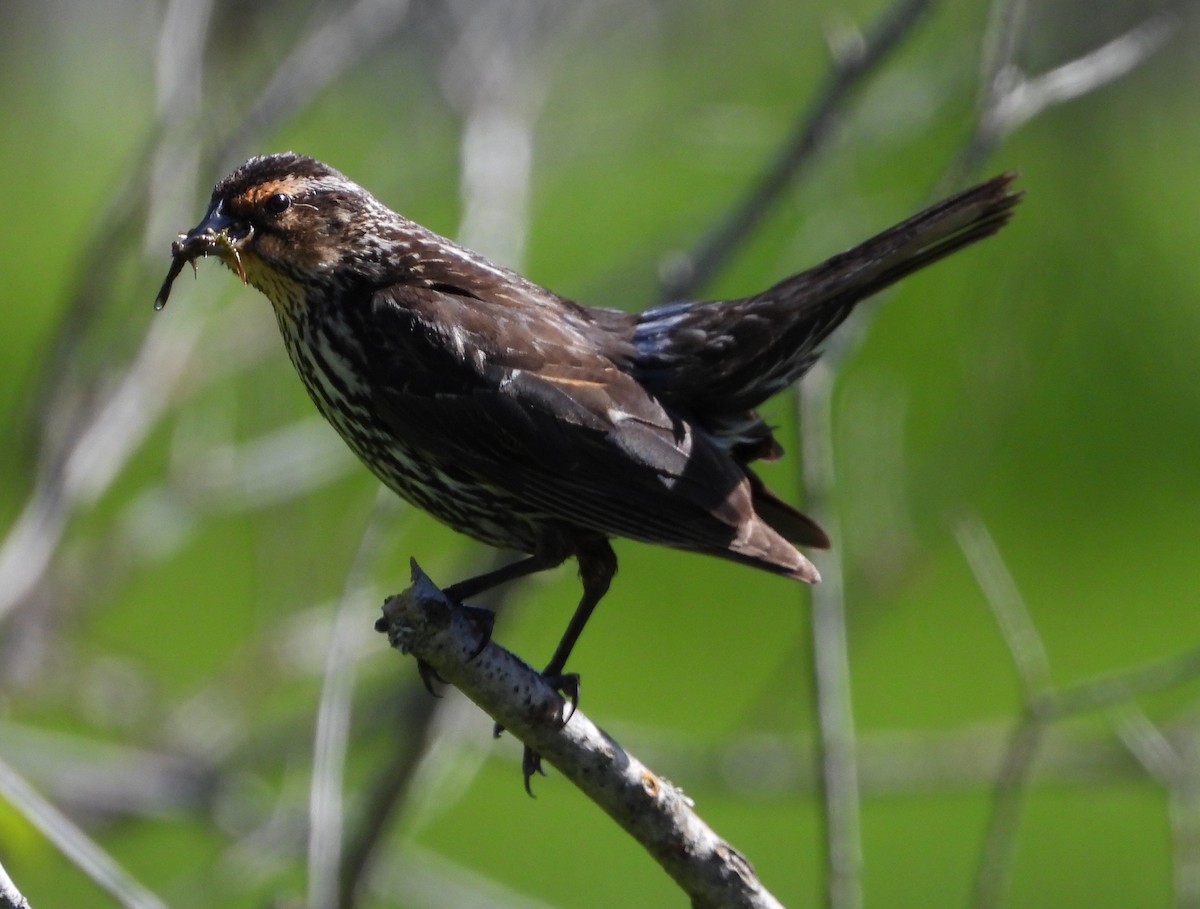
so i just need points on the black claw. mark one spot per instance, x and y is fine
(483, 621)
(568, 685)
(429, 675)
(531, 763)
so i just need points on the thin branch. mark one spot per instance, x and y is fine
(1008, 802)
(1009, 99)
(1117, 687)
(433, 881)
(72, 842)
(850, 68)
(103, 441)
(389, 795)
(342, 38)
(1033, 669)
(10, 896)
(1008, 607)
(331, 736)
(388, 792)
(422, 622)
(1175, 768)
(838, 749)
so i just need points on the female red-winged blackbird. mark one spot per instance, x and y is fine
(528, 421)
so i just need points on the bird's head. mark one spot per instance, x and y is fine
(277, 222)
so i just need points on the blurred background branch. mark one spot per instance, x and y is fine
(169, 493)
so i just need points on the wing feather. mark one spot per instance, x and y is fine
(578, 438)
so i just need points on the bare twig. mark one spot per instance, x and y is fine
(102, 443)
(838, 759)
(76, 845)
(423, 719)
(1008, 98)
(325, 814)
(388, 793)
(1012, 615)
(850, 68)
(1175, 767)
(831, 659)
(339, 39)
(1033, 669)
(422, 622)
(10, 896)
(434, 881)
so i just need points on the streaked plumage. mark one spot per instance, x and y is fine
(525, 420)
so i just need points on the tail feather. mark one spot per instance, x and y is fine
(759, 545)
(789, 522)
(724, 358)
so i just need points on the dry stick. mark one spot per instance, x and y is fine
(73, 843)
(388, 794)
(1175, 768)
(10, 896)
(1009, 99)
(850, 69)
(66, 478)
(1033, 671)
(332, 733)
(422, 622)
(341, 39)
(1043, 704)
(838, 750)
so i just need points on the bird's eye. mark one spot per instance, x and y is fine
(277, 204)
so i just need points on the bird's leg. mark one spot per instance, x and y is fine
(597, 565)
(484, 619)
(519, 569)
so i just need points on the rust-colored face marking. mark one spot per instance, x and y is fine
(210, 237)
(260, 191)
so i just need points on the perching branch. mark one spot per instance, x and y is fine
(422, 622)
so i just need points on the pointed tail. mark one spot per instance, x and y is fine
(724, 358)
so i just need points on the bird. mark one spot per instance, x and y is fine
(531, 422)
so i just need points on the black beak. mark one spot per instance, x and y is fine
(218, 231)
(205, 236)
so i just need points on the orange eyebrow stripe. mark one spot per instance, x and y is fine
(263, 190)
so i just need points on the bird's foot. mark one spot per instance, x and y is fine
(483, 621)
(429, 675)
(531, 762)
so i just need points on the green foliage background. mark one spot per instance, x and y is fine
(1047, 382)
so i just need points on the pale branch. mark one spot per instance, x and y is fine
(331, 737)
(851, 67)
(81, 850)
(422, 622)
(1009, 98)
(10, 896)
(838, 741)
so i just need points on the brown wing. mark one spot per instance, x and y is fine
(529, 405)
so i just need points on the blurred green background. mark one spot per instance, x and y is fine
(199, 526)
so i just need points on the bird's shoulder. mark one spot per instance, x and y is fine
(468, 314)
